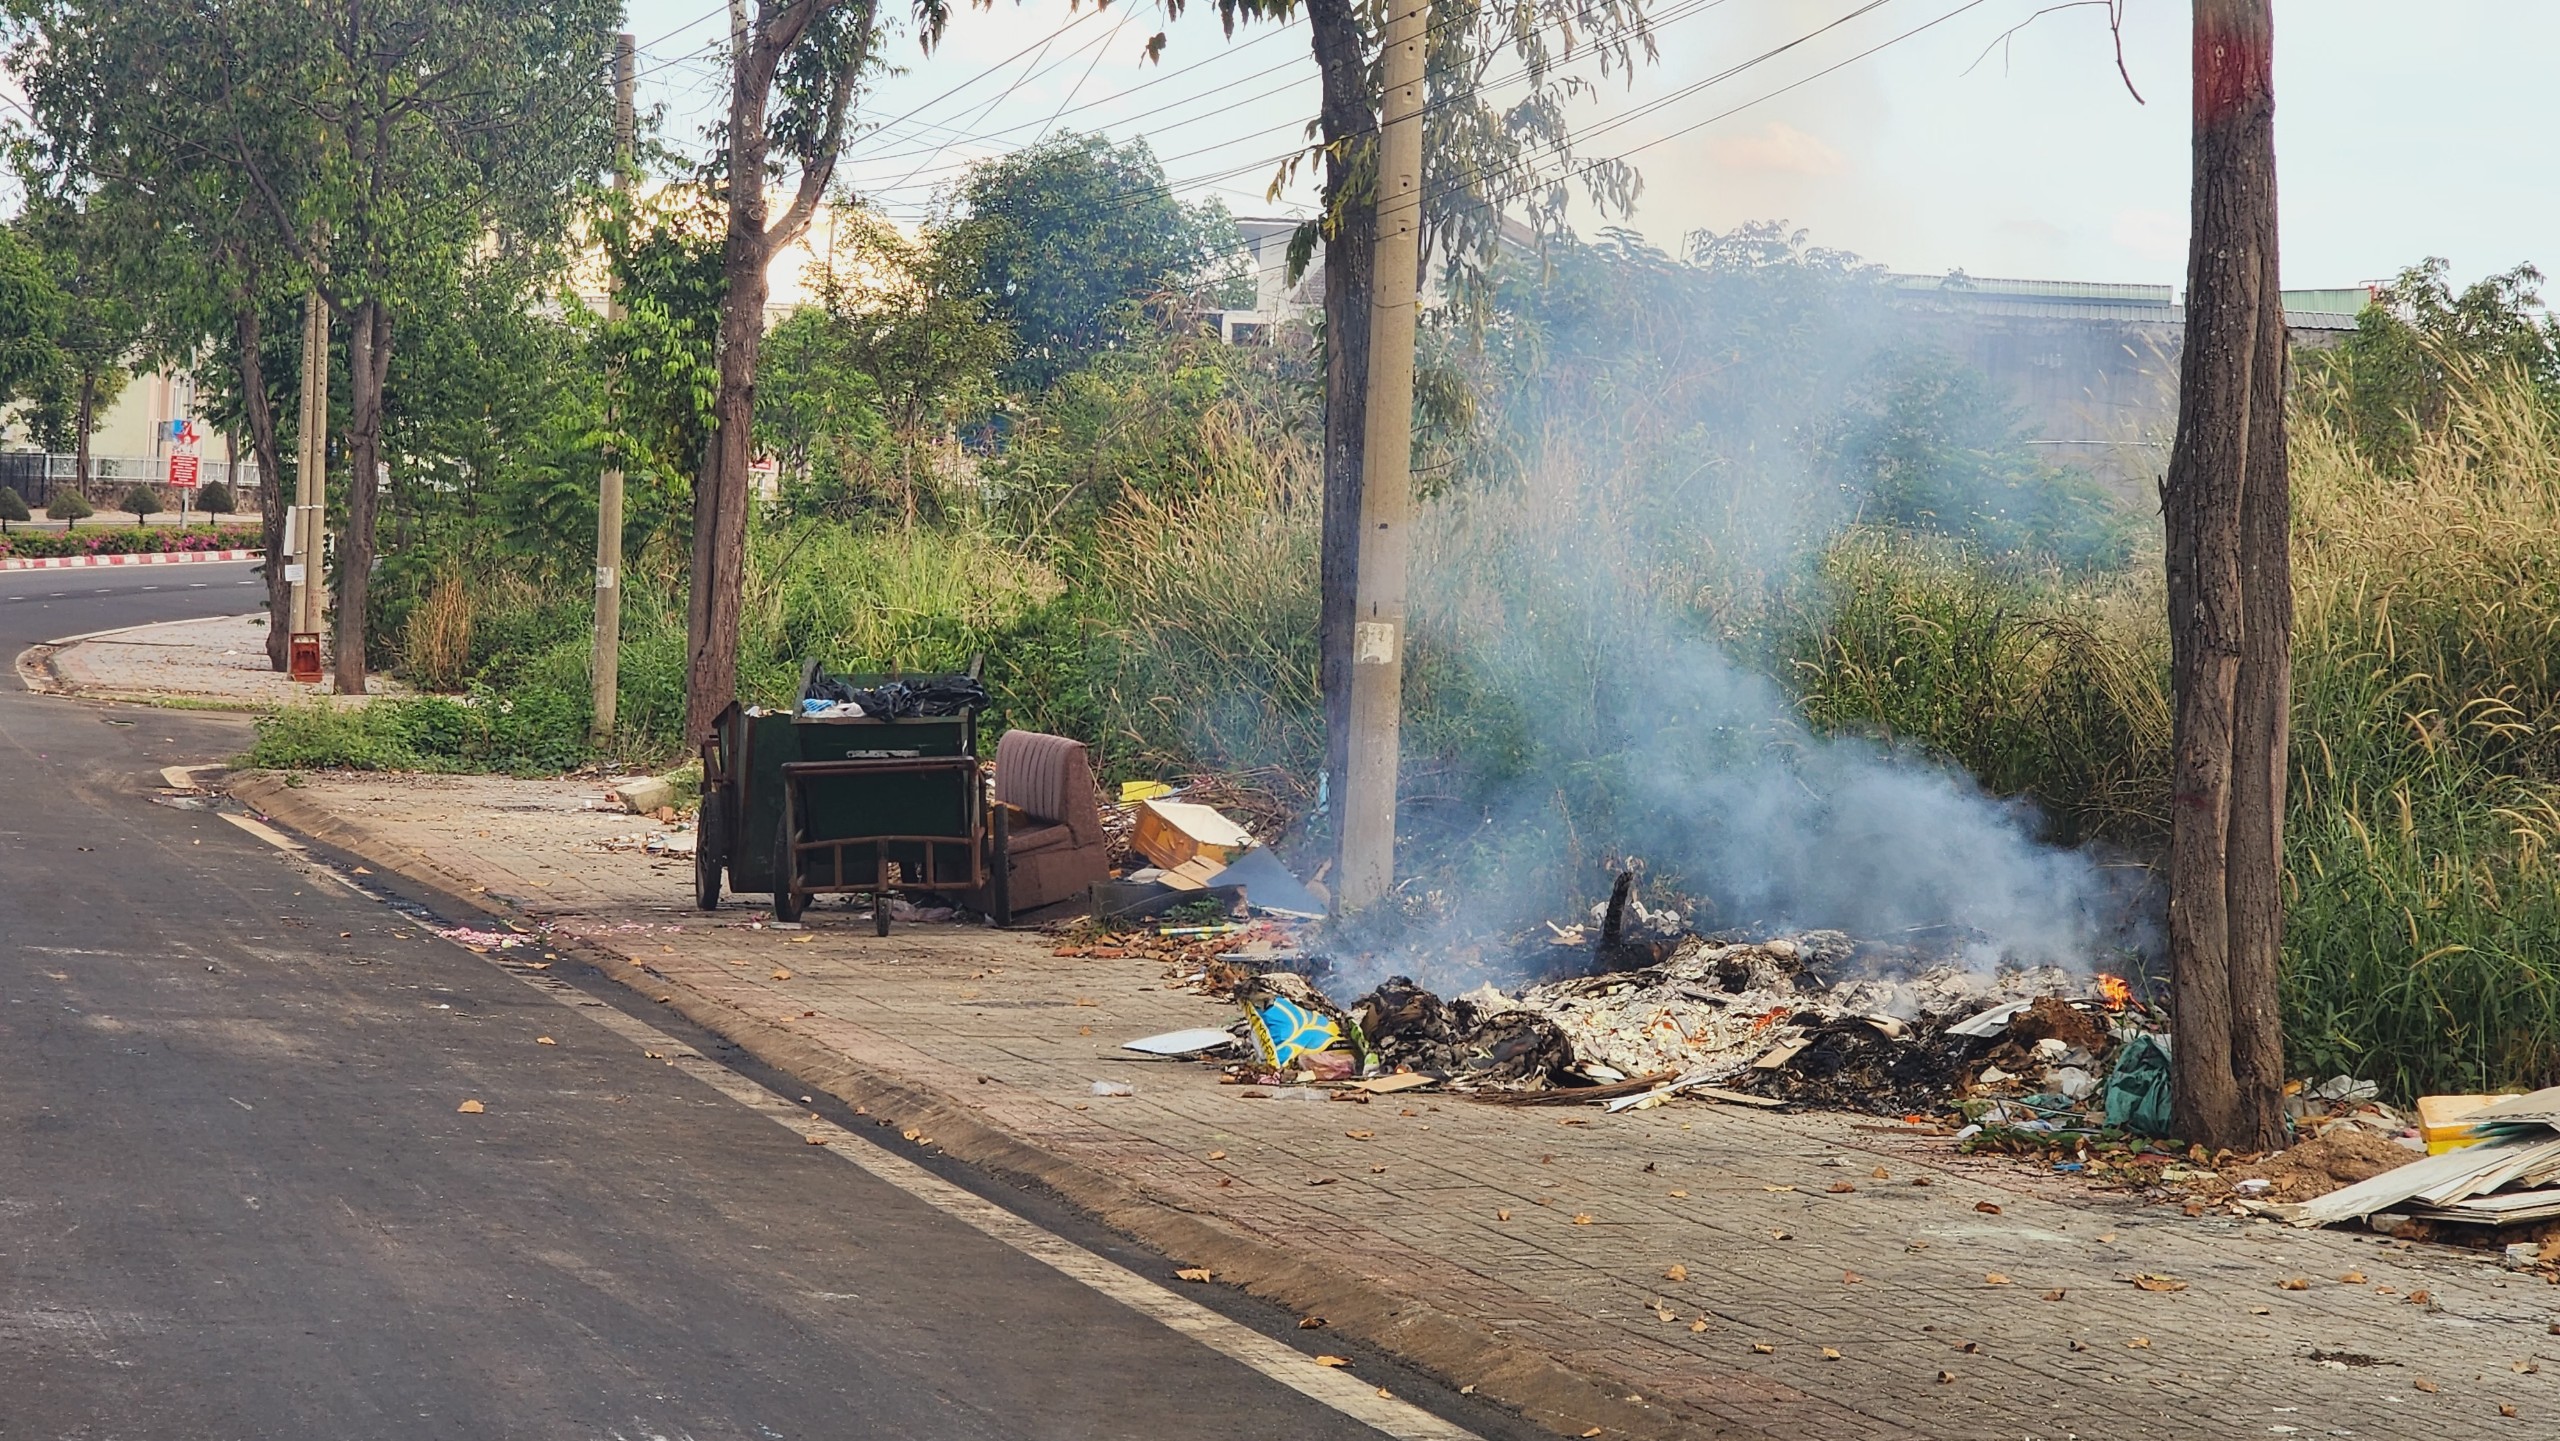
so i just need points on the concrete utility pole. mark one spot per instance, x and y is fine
(310, 501)
(604, 667)
(1386, 493)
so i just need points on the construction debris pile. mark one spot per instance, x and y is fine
(2495, 1161)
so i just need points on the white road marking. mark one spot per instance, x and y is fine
(264, 832)
(1335, 1387)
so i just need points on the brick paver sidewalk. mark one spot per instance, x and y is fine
(1838, 1282)
(218, 661)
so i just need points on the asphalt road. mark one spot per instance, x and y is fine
(43, 605)
(237, 1198)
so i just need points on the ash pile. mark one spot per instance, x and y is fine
(1814, 1018)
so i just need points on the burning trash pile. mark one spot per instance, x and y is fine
(1814, 1018)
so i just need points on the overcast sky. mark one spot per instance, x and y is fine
(2403, 129)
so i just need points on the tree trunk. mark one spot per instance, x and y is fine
(721, 505)
(247, 335)
(82, 419)
(2226, 508)
(368, 366)
(1350, 126)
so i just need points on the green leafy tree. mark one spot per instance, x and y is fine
(69, 506)
(142, 501)
(930, 350)
(31, 310)
(98, 327)
(1064, 240)
(818, 416)
(217, 501)
(13, 507)
(2420, 341)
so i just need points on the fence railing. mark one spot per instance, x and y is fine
(37, 476)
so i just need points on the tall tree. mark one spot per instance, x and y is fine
(2228, 518)
(793, 68)
(98, 326)
(1064, 239)
(372, 142)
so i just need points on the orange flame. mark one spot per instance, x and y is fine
(2118, 994)
(1771, 1017)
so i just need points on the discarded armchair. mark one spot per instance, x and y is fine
(1055, 847)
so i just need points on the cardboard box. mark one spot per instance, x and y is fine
(2443, 1120)
(1171, 833)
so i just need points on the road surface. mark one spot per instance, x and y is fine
(43, 605)
(239, 1196)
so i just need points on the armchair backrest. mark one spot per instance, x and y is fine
(1048, 778)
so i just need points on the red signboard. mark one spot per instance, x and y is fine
(182, 471)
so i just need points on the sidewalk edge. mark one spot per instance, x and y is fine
(1461, 1352)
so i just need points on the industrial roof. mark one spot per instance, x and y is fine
(2107, 300)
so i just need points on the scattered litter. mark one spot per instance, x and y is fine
(1114, 1088)
(1181, 1043)
(483, 940)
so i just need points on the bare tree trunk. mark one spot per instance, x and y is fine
(2225, 505)
(1349, 124)
(83, 419)
(368, 366)
(259, 408)
(721, 505)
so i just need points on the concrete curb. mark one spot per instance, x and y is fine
(149, 557)
(1460, 1351)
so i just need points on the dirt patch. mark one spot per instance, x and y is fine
(2051, 1017)
(2339, 1156)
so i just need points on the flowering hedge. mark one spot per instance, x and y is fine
(31, 544)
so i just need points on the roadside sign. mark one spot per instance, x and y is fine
(182, 471)
(184, 463)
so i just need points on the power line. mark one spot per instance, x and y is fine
(1676, 14)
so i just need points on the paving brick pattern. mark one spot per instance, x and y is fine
(1894, 1277)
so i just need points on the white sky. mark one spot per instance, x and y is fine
(2403, 130)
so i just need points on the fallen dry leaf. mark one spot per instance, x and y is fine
(1333, 1360)
(2523, 1368)
(1880, 1174)
(2506, 1411)
(1362, 1135)
(2295, 1283)
(911, 1135)
(1582, 1218)
(1946, 1378)
(1994, 1278)
(2419, 1298)
(1698, 1325)
(2140, 1343)
(1322, 1180)
(1763, 1348)
(2352, 1278)
(2079, 1345)
(1679, 1195)
(1988, 1208)
(1850, 1278)
(1774, 1189)
(2054, 1295)
(1840, 1188)
(2146, 1281)
(1665, 1315)
(1830, 1353)
(1311, 1323)
(2423, 1384)
(1677, 1272)
(1502, 1215)
(471, 1108)
(1084, 1000)
(1383, 1391)
(1594, 1431)
(2110, 1236)
(1193, 1273)
(1922, 1181)
(1217, 1155)
(544, 1041)
(1782, 1235)
(1971, 1348)
(780, 974)
(816, 1140)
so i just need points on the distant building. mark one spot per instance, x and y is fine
(2093, 366)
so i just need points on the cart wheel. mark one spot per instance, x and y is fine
(710, 852)
(786, 876)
